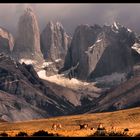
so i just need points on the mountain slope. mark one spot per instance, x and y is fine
(22, 81)
(124, 96)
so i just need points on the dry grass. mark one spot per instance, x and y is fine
(70, 124)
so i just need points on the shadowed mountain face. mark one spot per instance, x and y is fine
(26, 93)
(100, 51)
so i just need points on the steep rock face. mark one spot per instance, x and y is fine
(21, 81)
(6, 41)
(100, 51)
(114, 53)
(83, 37)
(54, 41)
(28, 41)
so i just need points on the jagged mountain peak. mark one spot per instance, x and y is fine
(95, 47)
(117, 25)
(27, 45)
(83, 26)
(6, 40)
(29, 12)
(59, 24)
(54, 41)
(29, 9)
(54, 25)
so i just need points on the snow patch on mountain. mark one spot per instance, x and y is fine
(82, 89)
(99, 40)
(27, 61)
(46, 64)
(58, 60)
(136, 47)
(115, 25)
(129, 30)
(42, 74)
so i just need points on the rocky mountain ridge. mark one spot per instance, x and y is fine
(6, 41)
(95, 48)
(20, 81)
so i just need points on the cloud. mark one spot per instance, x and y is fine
(71, 15)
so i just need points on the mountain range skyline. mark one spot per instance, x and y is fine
(71, 15)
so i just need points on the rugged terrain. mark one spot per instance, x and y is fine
(101, 70)
(25, 96)
(96, 48)
(6, 41)
(125, 95)
(54, 41)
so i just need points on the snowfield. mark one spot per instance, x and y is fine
(81, 89)
(27, 61)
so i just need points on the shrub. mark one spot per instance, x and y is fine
(100, 133)
(126, 130)
(105, 133)
(22, 134)
(42, 133)
(137, 135)
(4, 134)
(113, 133)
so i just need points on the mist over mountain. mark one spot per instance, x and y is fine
(72, 15)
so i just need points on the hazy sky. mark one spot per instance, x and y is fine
(71, 15)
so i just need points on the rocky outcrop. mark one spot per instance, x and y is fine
(27, 45)
(54, 42)
(27, 93)
(113, 54)
(100, 51)
(124, 96)
(6, 41)
(136, 51)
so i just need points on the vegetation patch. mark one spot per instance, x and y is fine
(4, 134)
(23, 134)
(43, 133)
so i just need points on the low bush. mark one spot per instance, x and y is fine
(137, 135)
(4, 134)
(117, 134)
(105, 133)
(42, 133)
(22, 134)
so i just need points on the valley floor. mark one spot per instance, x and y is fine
(122, 119)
